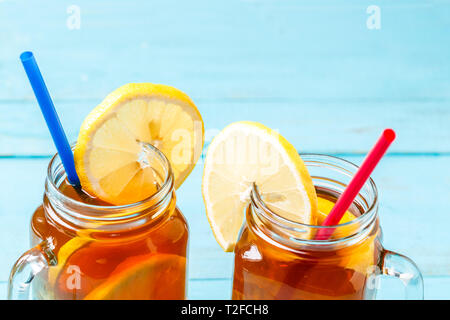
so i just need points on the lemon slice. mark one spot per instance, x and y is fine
(64, 254)
(146, 277)
(359, 257)
(111, 154)
(324, 208)
(245, 153)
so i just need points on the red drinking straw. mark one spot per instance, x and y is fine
(353, 188)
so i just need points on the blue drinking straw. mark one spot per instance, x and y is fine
(50, 115)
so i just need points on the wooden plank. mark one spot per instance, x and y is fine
(315, 72)
(311, 127)
(436, 288)
(210, 289)
(23, 180)
(413, 191)
(238, 49)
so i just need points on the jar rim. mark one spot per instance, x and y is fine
(97, 211)
(359, 223)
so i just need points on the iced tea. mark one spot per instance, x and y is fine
(276, 258)
(94, 250)
(265, 270)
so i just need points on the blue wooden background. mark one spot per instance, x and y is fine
(312, 69)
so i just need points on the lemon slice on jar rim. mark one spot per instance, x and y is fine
(245, 153)
(111, 154)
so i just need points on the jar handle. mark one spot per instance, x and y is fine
(27, 267)
(403, 268)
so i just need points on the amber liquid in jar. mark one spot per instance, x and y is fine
(143, 260)
(265, 270)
